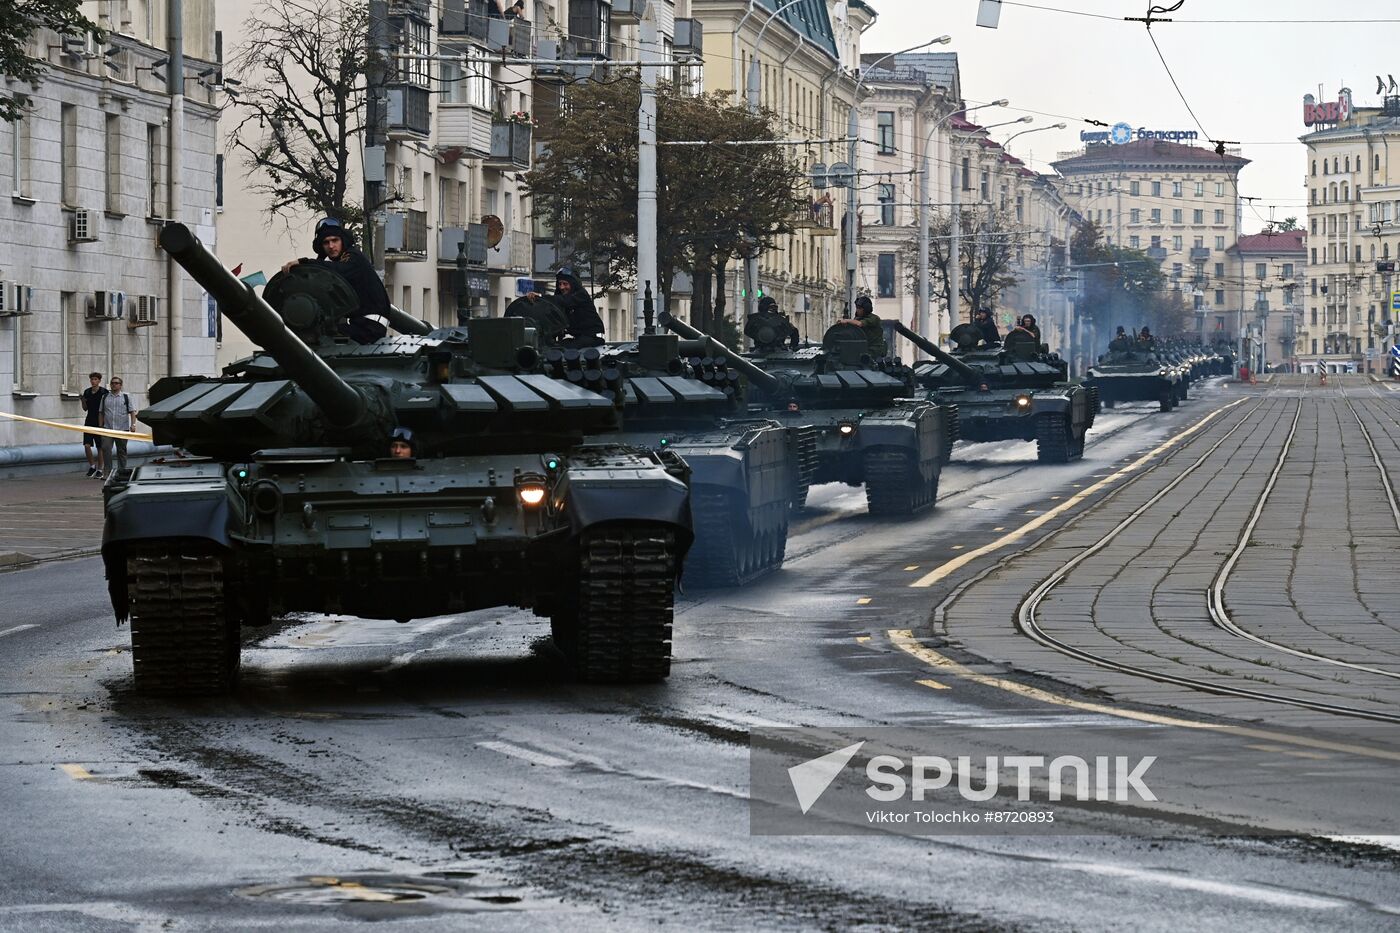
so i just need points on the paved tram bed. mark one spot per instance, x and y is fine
(1284, 507)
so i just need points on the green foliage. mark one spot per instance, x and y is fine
(1125, 287)
(19, 20)
(988, 249)
(301, 106)
(714, 202)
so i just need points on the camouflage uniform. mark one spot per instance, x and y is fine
(874, 335)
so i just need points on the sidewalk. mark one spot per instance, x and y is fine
(49, 517)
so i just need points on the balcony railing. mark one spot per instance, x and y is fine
(510, 146)
(512, 254)
(408, 111)
(1200, 253)
(465, 127)
(816, 216)
(1156, 252)
(1261, 305)
(406, 236)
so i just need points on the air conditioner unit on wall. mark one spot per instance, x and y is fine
(82, 227)
(146, 311)
(16, 299)
(107, 306)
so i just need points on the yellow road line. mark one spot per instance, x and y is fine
(863, 601)
(962, 560)
(77, 428)
(76, 772)
(933, 685)
(904, 640)
(862, 638)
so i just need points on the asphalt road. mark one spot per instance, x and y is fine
(447, 773)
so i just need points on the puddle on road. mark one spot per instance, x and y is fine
(384, 894)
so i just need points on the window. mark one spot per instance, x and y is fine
(1199, 242)
(1314, 255)
(886, 198)
(1135, 216)
(1176, 270)
(1220, 189)
(1134, 188)
(1156, 189)
(986, 186)
(1200, 189)
(451, 82)
(1176, 215)
(886, 274)
(1156, 242)
(1156, 215)
(1220, 244)
(1314, 165)
(219, 182)
(1346, 164)
(68, 154)
(1176, 189)
(1219, 217)
(19, 158)
(112, 145)
(1378, 162)
(1176, 243)
(1220, 296)
(1220, 270)
(1134, 242)
(966, 175)
(884, 131)
(1198, 217)
(1288, 270)
(1261, 270)
(1021, 209)
(155, 190)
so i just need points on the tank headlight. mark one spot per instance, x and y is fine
(1023, 401)
(531, 494)
(847, 428)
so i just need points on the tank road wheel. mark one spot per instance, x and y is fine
(893, 486)
(1055, 441)
(621, 626)
(182, 639)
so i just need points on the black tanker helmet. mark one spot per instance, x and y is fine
(331, 226)
(863, 303)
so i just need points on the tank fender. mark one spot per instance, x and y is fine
(716, 466)
(644, 493)
(1051, 404)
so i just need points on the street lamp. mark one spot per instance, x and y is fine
(923, 299)
(1038, 129)
(853, 130)
(751, 88)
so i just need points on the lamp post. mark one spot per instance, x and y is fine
(853, 131)
(954, 270)
(923, 299)
(1038, 129)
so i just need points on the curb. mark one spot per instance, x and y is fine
(18, 560)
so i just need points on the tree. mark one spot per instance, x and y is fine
(990, 249)
(1287, 224)
(714, 202)
(302, 105)
(1124, 287)
(19, 20)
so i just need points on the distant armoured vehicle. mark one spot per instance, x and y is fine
(297, 505)
(1132, 372)
(854, 419)
(1015, 391)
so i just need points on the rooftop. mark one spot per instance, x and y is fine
(809, 19)
(1147, 152)
(927, 69)
(1281, 241)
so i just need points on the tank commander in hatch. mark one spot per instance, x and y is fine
(401, 445)
(335, 245)
(870, 325)
(585, 326)
(982, 320)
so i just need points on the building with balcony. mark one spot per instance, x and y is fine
(1353, 234)
(1180, 204)
(83, 285)
(1267, 272)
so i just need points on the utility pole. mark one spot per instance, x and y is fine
(376, 128)
(175, 85)
(648, 41)
(954, 272)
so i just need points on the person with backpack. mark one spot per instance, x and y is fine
(118, 414)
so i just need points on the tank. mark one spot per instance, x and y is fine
(1132, 372)
(679, 397)
(1016, 391)
(853, 419)
(290, 501)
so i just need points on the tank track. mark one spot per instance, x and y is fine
(1054, 441)
(954, 431)
(620, 629)
(807, 459)
(182, 641)
(1095, 404)
(890, 490)
(1166, 399)
(726, 551)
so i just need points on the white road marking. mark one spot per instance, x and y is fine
(1258, 893)
(17, 628)
(527, 754)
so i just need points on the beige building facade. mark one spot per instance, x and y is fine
(1178, 203)
(1353, 234)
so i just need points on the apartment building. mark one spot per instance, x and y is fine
(83, 285)
(1178, 203)
(1267, 272)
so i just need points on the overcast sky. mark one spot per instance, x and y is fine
(1245, 81)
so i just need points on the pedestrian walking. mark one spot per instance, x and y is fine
(91, 400)
(118, 414)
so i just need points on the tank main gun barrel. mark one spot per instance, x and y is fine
(769, 382)
(405, 323)
(972, 376)
(343, 405)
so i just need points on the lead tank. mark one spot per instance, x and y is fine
(853, 418)
(1015, 391)
(293, 503)
(1132, 371)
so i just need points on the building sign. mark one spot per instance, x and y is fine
(1332, 112)
(1121, 133)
